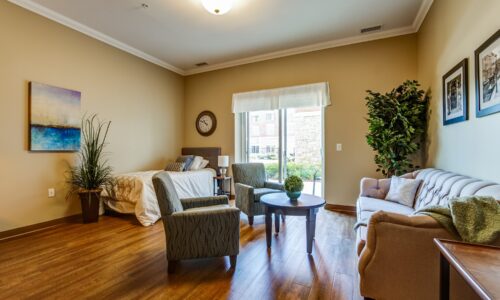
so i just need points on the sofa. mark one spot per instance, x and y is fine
(397, 258)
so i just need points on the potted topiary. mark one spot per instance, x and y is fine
(397, 126)
(92, 173)
(293, 187)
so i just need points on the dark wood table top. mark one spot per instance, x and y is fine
(479, 265)
(281, 200)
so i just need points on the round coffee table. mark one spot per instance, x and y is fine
(280, 204)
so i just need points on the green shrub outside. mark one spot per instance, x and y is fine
(303, 170)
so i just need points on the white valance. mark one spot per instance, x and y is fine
(308, 95)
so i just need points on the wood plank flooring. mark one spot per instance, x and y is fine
(119, 259)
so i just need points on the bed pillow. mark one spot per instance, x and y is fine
(187, 160)
(203, 164)
(403, 190)
(196, 163)
(175, 167)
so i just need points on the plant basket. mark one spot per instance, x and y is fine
(90, 205)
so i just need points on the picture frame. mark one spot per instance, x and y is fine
(54, 118)
(487, 69)
(455, 94)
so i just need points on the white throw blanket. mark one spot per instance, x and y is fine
(134, 192)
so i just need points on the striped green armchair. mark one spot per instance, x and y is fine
(196, 227)
(250, 184)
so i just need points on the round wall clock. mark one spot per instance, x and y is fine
(206, 123)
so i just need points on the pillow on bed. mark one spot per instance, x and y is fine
(203, 164)
(196, 163)
(187, 160)
(175, 167)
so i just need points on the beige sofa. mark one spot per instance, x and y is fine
(396, 256)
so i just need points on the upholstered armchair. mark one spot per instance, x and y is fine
(196, 227)
(250, 184)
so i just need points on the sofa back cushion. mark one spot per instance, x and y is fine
(439, 186)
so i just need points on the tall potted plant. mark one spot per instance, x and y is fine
(92, 172)
(397, 126)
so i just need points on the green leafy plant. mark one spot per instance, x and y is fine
(92, 172)
(397, 126)
(294, 184)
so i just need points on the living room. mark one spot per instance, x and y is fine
(140, 75)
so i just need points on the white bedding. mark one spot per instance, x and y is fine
(134, 192)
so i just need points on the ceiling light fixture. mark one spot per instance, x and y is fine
(217, 7)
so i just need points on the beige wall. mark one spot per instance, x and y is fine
(452, 30)
(350, 70)
(144, 102)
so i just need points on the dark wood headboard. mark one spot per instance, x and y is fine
(209, 153)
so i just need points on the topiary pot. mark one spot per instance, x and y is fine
(90, 205)
(293, 195)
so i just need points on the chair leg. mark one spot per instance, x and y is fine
(283, 218)
(232, 260)
(171, 266)
(250, 220)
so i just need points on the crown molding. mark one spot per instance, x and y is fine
(421, 14)
(57, 17)
(54, 16)
(304, 49)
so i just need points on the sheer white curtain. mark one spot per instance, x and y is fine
(308, 95)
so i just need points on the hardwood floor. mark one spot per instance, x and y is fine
(119, 259)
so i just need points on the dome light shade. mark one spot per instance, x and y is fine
(217, 7)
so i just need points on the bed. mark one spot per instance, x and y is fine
(134, 192)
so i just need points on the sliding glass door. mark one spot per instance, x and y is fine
(288, 142)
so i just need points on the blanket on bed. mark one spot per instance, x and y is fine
(134, 192)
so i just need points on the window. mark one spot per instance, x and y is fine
(283, 128)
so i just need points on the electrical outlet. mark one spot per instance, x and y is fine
(339, 147)
(52, 192)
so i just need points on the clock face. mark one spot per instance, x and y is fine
(206, 123)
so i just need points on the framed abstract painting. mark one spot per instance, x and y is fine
(487, 59)
(54, 118)
(455, 94)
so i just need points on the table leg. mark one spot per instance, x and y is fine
(314, 225)
(269, 224)
(276, 222)
(310, 223)
(444, 278)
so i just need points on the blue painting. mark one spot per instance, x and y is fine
(54, 118)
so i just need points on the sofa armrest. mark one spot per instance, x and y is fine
(374, 188)
(399, 251)
(274, 185)
(188, 203)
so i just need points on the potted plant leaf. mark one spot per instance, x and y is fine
(397, 126)
(293, 187)
(92, 173)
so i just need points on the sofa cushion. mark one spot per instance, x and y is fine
(263, 191)
(367, 204)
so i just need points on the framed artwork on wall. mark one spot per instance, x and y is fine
(455, 94)
(54, 118)
(487, 59)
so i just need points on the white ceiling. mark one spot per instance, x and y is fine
(177, 34)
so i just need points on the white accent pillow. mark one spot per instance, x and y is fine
(196, 163)
(403, 190)
(204, 164)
